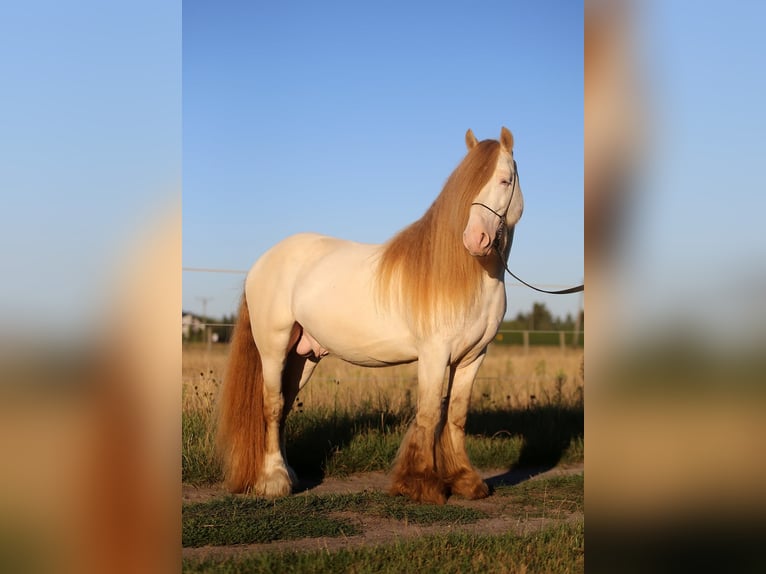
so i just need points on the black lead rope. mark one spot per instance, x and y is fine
(501, 228)
(496, 245)
(575, 289)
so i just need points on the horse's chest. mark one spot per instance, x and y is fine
(481, 327)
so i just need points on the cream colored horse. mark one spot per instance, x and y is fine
(433, 294)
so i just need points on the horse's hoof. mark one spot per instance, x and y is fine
(470, 486)
(430, 490)
(481, 490)
(274, 485)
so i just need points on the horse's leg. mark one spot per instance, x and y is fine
(275, 480)
(295, 375)
(414, 474)
(454, 466)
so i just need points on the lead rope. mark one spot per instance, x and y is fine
(575, 289)
(502, 227)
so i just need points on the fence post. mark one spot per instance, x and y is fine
(526, 342)
(562, 342)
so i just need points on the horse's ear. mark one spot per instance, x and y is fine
(506, 139)
(470, 139)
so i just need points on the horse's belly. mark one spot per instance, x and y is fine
(374, 355)
(366, 344)
(364, 360)
(375, 352)
(335, 303)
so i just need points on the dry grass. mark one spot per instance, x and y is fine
(509, 378)
(526, 409)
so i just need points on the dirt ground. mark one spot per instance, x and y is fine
(380, 531)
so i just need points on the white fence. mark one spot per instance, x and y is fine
(562, 339)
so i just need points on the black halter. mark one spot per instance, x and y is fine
(501, 226)
(501, 230)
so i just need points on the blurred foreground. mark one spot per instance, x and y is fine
(91, 429)
(675, 346)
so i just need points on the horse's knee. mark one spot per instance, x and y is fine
(273, 406)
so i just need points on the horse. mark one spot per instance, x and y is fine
(434, 294)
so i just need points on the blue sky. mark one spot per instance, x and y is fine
(346, 118)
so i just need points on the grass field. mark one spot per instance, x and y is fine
(527, 411)
(559, 549)
(509, 377)
(446, 538)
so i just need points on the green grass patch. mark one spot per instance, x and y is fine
(550, 498)
(198, 463)
(550, 432)
(326, 442)
(338, 442)
(243, 520)
(575, 452)
(367, 451)
(399, 508)
(555, 550)
(494, 451)
(540, 339)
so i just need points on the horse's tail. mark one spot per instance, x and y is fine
(241, 433)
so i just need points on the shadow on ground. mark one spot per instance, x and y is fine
(547, 432)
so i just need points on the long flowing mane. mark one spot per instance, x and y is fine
(426, 266)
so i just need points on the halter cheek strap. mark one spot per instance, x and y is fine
(510, 199)
(501, 226)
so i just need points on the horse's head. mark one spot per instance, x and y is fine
(498, 205)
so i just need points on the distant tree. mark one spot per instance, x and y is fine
(224, 330)
(541, 318)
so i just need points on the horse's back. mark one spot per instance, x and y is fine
(328, 286)
(295, 249)
(309, 268)
(272, 279)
